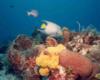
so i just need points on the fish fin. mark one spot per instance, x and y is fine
(46, 22)
(42, 31)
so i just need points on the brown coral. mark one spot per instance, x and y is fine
(80, 64)
(30, 62)
(15, 60)
(66, 35)
(23, 42)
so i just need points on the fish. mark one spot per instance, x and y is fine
(50, 28)
(33, 13)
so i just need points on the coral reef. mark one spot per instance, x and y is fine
(74, 57)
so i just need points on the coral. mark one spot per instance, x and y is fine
(15, 60)
(47, 61)
(51, 41)
(44, 71)
(96, 70)
(50, 58)
(42, 57)
(54, 62)
(94, 53)
(29, 63)
(22, 42)
(22, 65)
(66, 35)
(54, 75)
(38, 49)
(55, 50)
(80, 64)
(88, 39)
(28, 74)
(21, 55)
(60, 74)
(42, 60)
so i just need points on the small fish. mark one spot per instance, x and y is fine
(33, 13)
(50, 28)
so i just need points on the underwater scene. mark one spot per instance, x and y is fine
(49, 39)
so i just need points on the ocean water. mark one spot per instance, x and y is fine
(14, 19)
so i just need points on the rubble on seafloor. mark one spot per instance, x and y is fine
(75, 57)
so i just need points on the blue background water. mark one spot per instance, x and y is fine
(14, 19)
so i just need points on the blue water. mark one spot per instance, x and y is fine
(14, 19)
